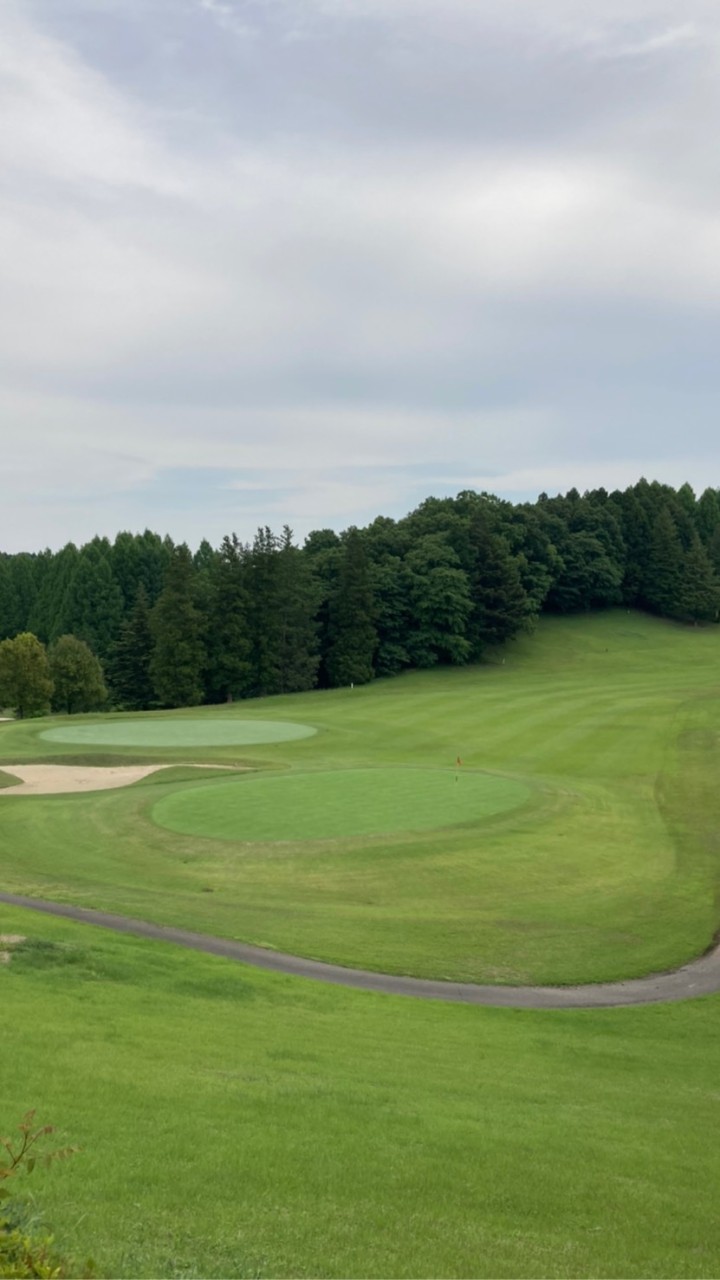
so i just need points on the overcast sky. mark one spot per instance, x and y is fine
(309, 261)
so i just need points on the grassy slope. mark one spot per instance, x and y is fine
(236, 1123)
(611, 871)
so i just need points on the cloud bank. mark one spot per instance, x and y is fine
(308, 262)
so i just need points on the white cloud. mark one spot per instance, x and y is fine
(63, 122)
(305, 309)
(227, 17)
(581, 474)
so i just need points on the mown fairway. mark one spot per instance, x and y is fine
(603, 729)
(237, 1123)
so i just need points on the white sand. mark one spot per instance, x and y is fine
(53, 779)
(56, 779)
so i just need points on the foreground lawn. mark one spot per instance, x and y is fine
(236, 1123)
(604, 729)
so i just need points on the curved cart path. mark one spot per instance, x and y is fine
(700, 977)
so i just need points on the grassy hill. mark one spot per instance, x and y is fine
(244, 1124)
(606, 727)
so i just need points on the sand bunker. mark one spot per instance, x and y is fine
(59, 779)
(54, 779)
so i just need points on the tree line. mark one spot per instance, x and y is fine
(165, 627)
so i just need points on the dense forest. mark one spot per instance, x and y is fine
(158, 626)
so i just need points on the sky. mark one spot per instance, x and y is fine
(309, 261)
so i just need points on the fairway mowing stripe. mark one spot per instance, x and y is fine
(700, 977)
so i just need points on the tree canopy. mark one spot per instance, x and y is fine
(25, 681)
(447, 583)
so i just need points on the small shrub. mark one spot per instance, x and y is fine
(23, 1254)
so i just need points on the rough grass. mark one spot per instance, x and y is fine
(238, 1123)
(610, 871)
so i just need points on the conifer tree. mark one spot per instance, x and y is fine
(179, 656)
(500, 604)
(228, 632)
(18, 591)
(283, 604)
(636, 526)
(92, 608)
(714, 550)
(129, 667)
(46, 619)
(707, 515)
(351, 624)
(699, 596)
(299, 596)
(140, 559)
(663, 573)
(262, 605)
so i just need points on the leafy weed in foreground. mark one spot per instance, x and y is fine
(25, 1255)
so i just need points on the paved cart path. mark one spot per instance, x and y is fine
(698, 978)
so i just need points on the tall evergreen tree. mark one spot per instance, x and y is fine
(7, 598)
(179, 656)
(707, 515)
(323, 551)
(284, 599)
(46, 619)
(714, 550)
(663, 574)
(228, 632)
(352, 633)
(140, 559)
(129, 666)
(699, 595)
(299, 595)
(262, 604)
(500, 605)
(18, 590)
(92, 608)
(636, 525)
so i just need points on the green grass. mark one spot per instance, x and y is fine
(611, 869)
(180, 731)
(244, 1124)
(238, 1123)
(346, 802)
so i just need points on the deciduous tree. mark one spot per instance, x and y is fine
(77, 676)
(25, 681)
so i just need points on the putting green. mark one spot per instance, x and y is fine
(180, 733)
(344, 802)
